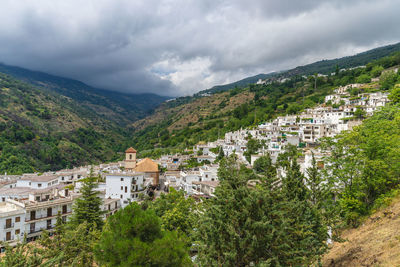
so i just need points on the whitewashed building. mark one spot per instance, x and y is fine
(125, 186)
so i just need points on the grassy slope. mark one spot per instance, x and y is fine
(183, 115)
(375, 243)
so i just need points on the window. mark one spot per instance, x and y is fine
(62, 178)
(122, 179)
(8, 223)
(48, 184)
(130, 156)
(64, 219)
(48, 224)
(122, 188)
(121, 196)
(64, 209)
(17, 219)
(116, 205)
(37, 198)
(3, 199)
(17, 232)
(39, 185)
(109, 207)
(126, 189)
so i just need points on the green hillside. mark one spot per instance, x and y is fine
(116, 106)
(41, 131)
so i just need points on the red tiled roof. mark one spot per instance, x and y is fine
(130, 150)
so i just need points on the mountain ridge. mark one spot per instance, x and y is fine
(324, 66)
(119, 104)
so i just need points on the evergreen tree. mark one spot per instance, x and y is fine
(307, 231)
(253, 226)
(264, 166)
(221, 154)
(71, 246)
(22, 255)
(87, 208)
(134, 237)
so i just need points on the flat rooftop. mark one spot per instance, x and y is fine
(39, 178)
(8, 209)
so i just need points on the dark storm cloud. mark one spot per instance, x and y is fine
(177, 47)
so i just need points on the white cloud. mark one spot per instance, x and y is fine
(178, 47)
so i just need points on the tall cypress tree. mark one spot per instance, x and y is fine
(307, 231)
(244, 225)
(87, 208)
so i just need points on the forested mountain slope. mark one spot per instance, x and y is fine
(41, 131)
(116, 106)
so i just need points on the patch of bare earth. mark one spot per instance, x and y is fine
(375, 243)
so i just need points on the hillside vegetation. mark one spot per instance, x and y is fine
(118, 107)
(41, 131)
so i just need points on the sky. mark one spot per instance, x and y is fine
(179, 47)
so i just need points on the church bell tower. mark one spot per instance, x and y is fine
(130, 159)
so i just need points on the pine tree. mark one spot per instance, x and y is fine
(73, 246)
(307, 231)
(243, 225)
(87, 208)
(134, 237)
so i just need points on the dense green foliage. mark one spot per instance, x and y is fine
(365, 163)
(40, 132)
(134, 237)
(256, 221)
(115, 106)
(177, 213)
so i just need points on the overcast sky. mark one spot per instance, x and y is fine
(179, 47)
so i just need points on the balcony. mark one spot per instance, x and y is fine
(8, 240)
(8, 226)
(42, 217)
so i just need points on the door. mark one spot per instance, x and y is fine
(49, 212)
(8, 236)
(32, 227)
(33, 214)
